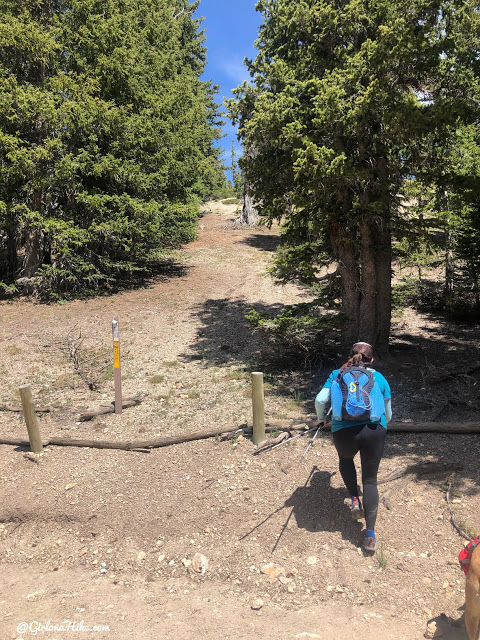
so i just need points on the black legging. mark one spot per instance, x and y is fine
(369, 439)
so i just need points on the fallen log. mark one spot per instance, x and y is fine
(407, 427)
(435, 427)
(271, 442)
(110, 408)
(18, 409)
(126, 446)
(401, 427)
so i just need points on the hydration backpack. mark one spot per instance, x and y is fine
(465, 555)
(356, 396)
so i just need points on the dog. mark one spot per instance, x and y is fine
(472, 594)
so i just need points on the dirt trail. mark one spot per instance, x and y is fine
(108, 537)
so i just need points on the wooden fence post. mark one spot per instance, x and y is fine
(117, 372)
(258, 408)
(31, 419)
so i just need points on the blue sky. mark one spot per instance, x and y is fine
(231, 29)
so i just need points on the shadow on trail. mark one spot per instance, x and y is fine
(450, 628)
(450, 457)
(262, 241)
(155, 272)
(226, 337)
(318, 506)
(160, 271)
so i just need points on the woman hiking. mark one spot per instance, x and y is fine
(356, 382)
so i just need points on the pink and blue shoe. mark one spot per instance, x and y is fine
(357, 511)
(369, 540)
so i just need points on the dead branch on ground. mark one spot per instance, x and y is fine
(126, 404)
(458, 529)
(89, 356)
(18, 409)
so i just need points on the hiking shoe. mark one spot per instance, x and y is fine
(369, 541)
(357, 511)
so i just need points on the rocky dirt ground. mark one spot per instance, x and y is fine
(178, 542)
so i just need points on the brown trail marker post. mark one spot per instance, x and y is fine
(30, 418)
(258, 408)
(117, 372)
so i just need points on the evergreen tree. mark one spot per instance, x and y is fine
(106, 137)
(450, 202)
(346, 98)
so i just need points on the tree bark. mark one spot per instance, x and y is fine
(34, 245)
(12, 250)
(34, 252)
(249, 214)
(383, 271)
(348, 267)
(368, 299)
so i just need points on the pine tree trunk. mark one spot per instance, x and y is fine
(34, 246)
(366, 285)
(383, 272)
(249, 214)
(348, 267)
(34, 252)
(368, 298)
(12, 255)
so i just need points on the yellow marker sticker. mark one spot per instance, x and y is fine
(353, 387)
(116, 354)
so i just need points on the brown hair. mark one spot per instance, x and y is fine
(361, 353)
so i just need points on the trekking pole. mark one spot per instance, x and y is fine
(313, 439)
(311, 442)
(299, 435)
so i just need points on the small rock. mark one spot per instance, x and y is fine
(186, 562)
(427, 581)
(141, 555)
(70, 486)
(200, 563)
(433, 631)
(273, 571)
(161, 557)
(257, 604)
(32, 457)
(312, 560)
